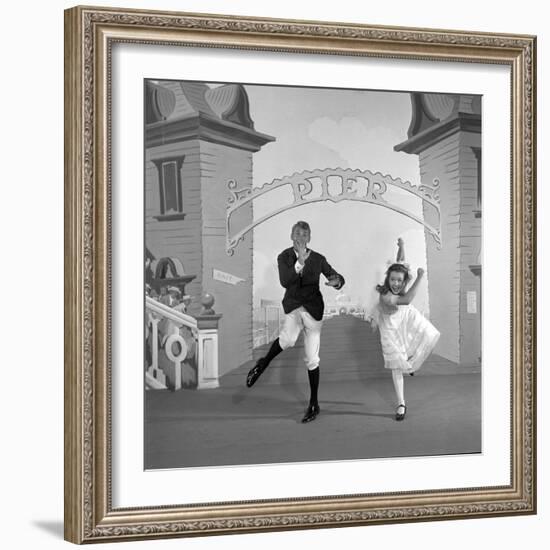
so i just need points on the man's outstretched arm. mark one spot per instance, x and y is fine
(334, 278)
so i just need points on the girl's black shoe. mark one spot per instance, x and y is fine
(398, 415)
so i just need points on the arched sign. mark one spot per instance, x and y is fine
(337, 185)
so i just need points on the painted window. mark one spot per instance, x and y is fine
(477, 153)
(171, 199)
(171, 196)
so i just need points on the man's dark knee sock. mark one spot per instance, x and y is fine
(313, 376)
(274, 350)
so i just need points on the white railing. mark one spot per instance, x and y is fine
(195, 361)
(264, 335)
(270, 314)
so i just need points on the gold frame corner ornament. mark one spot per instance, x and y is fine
(89, 34)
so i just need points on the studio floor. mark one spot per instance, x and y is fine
(236, 425)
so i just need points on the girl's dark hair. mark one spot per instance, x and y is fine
(399, 268)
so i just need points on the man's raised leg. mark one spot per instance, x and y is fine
(262, 363)
(287, 338)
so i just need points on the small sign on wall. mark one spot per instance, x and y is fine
(226, 277)
(471, 301)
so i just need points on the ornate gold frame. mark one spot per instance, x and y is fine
(89, 34)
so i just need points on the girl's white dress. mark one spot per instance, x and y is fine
(407, 337)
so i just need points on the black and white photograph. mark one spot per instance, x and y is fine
(312, 268)
(287, 293)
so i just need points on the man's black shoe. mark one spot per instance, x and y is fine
(311, 413)
(255, 371)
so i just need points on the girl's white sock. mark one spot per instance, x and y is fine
(398, 385)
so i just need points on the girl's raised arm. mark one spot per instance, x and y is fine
(408, 297)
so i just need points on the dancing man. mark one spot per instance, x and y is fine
(299, 272)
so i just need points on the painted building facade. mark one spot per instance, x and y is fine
(196, 140)
(445, 133)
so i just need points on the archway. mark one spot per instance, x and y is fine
(335, 185)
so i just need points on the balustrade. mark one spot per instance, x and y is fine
(180, 350)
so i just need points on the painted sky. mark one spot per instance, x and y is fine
(333, 128)
(329, 128)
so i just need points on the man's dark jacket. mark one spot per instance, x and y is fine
(302, 289)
